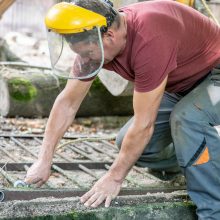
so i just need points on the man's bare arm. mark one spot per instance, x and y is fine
(138, 136)
(62, 114)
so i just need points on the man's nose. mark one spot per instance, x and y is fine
(86, 59)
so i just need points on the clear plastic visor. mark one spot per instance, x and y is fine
(77, 55)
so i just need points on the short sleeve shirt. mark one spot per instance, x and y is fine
(166, 38)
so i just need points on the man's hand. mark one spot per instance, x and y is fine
(105, 189)
(38, 173)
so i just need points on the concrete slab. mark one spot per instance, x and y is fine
(157, 206)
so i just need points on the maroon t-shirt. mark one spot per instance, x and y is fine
(167, 38)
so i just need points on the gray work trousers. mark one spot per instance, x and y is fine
(185, 132)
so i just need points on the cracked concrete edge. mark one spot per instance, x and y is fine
(43, 206)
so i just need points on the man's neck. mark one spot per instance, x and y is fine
(123, 31)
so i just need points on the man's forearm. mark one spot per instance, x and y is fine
(60, 119)
(132, 147)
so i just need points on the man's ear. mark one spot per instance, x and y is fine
(109, 36)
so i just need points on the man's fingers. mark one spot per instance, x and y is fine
(40, 183)
(108, 201)
(92, 199)
(87, 195)
(98, 201)
(32, 181)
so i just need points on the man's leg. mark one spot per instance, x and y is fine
(159, 153)
(197, 145)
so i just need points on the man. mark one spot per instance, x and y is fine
(168, 51)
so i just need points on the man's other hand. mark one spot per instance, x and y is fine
(105, 189)
(38, 173)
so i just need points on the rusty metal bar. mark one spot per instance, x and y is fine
(64, 166)
(148, 175)
(41, 136)
(137, 169)
(6, 153)
(23, 146)
(63, 156)
(88, 171)
(79, 151)
(7, 176)
(63, 172)
(113, 157)
(76, 165)
(55, 167)
(84, 150)
(37, 139)
(110, 145)
(75, 149)
(25, 166)
(99, 150)
(22, 194)
(57, 153)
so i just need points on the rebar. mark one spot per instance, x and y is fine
(79, 151)
(64, 173)
(88, 171)
(99, 149)
(57, 153)
(56, 168)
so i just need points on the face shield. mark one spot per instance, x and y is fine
(75, 41)
(76, 55)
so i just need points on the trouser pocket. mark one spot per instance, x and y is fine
(201, 156)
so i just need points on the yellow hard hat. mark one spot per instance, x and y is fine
(65, 18)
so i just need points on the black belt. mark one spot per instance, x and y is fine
(194, 85)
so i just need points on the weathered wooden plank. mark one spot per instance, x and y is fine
(4, 5)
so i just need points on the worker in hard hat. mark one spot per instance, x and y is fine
(170, 52)
(76, 43)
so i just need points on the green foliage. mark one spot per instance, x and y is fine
(97, 85)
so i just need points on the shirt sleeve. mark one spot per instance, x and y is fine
(153, 61)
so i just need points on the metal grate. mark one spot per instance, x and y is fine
(77, 164)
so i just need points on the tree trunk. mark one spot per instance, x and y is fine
(5, 53)
(31, 92)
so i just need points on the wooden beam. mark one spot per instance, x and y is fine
(4, 5)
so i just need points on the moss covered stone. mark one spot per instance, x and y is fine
(97, 85)
(163, 211)
(22, 89)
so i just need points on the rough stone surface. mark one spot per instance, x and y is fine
(151, 206)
